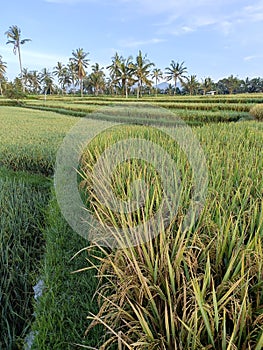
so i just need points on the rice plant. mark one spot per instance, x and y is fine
(29, 139)
(186, 289)
(21, 246)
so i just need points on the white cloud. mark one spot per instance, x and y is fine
(138, 43)
(224, 15)
(252, 57)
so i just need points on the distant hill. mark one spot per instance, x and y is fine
(163, 86)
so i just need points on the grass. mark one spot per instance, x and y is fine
(61, 312)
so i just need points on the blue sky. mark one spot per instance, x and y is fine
(214, 38)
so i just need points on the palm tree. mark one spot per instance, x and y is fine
(34, 81)
(25, 77)
(96, 79)
(176, 72)
(81, 62)
(157, 74)
(114, 70)
(141, 70)
(207, 84)
(3, 67)
(59, 72)
(47, 80)
(14, 36)
(73, 74)
(191, 84)
(125, 74)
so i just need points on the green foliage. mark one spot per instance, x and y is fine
(257, 112)
(13, 93)
(21, 246)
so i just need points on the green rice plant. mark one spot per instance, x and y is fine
(29, 139)
(21, 247)
(185, 289)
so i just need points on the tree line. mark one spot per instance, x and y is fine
(125, 76)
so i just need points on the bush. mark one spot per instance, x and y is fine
(257, 112)
(14, 93)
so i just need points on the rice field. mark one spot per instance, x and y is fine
(193, 109)
(29, 139)
(185, 289)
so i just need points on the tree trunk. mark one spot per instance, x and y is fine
(175, 86)
(81, 87)
(1, 90)
(138, 89)
(21, 69)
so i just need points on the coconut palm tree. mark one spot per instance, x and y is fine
(157, 74)
(125, 74)
(81, 62)
(191, 84)
(176, 71)
(73, 74)
(3, 67)
(34, 81)
(14, 36)
(47, 81)
(59, 71)
(63, 74)
(25, 77)
(65, 79)
(96, 79)
(207, 84)
(141, 70)
(114, 70)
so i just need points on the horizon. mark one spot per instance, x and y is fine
(213, 39)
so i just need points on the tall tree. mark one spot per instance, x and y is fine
(191, 84)
(73, 74)
(34, 81)
(207, 85)
(114, 70)
(176, 71)
(96, 79)
(47, 81)
(125, 74)
(14, 37)
(141, 69)
(81, 62)
(3, 67)
(64, 76)
(157, 74)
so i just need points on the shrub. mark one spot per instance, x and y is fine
(257, 112)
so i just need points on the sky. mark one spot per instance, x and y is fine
(214, 38)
